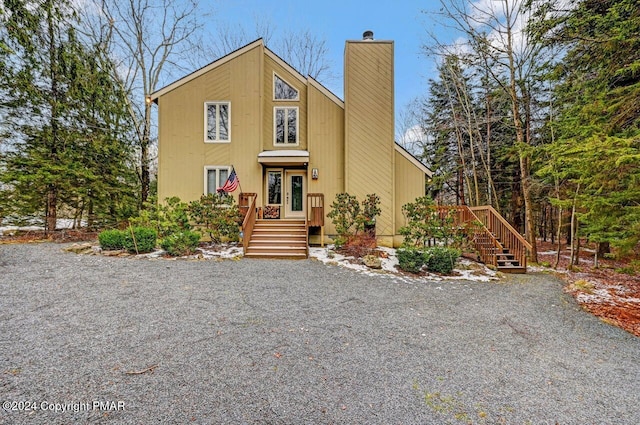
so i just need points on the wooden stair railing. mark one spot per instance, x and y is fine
(249, 218)
(509, 237)
(496, 241)
(315, 214)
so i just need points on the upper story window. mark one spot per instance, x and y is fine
(283, 90)
(285, 126)
(217, 122)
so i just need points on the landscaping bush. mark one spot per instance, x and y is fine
(351, 218)
(410, 260)
(166, 218)
(145, 239)
(111, 239)
(181, 243)
(425, 223)
(441, 259)
(358, 246)
(218, 216)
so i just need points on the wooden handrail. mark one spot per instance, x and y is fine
(249, 221)
(315, 209)
(509, 237)
(484, 242)
(504, 222)
(315, 214)
(490, 233)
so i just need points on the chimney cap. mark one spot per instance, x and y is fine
(367, 35)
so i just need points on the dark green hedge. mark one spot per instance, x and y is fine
(145, 239)
(180, 243)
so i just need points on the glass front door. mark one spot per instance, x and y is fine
(295, 194)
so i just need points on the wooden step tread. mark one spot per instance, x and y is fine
(283, 256)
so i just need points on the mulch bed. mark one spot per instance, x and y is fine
(606, 292)
(65, 235)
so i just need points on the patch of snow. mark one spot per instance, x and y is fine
(222, 252)
(12, 229)
(37, 225)
(467, 270)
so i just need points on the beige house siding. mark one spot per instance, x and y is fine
(350, 143)
(182, 151)
(326, 147)
(369, 127)
(272, 64)
(409, 185)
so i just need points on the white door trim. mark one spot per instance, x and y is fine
(289, 213)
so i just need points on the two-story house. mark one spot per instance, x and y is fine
(288, 136)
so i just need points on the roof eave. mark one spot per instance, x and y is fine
(415, 161)
(218, 62)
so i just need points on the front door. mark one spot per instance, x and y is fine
(295, 194)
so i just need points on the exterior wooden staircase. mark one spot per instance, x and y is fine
(278, 239)
(497, 243)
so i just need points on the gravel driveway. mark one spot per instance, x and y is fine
(121, 340)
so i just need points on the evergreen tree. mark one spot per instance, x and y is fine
(598, 128)
(63, 117)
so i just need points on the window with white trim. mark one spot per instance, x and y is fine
(283, 90)
(217, 122)
(274, 187)
(215, 177)
(285, 123)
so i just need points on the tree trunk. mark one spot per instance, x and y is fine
(91, 217)
(52, 189)
(51, 213)
(145, 177)
(603, 248)
(559, 246)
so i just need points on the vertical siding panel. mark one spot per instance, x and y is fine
(326, 148)
(369, 126)
(409, 185)
(182, 152)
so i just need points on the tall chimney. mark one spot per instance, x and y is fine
(369, 126)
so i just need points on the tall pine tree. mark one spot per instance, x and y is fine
(62, 114)
(598, 128)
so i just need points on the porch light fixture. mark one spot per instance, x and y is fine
(314, 173)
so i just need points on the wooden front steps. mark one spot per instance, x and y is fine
(278, 239)
(507, 263)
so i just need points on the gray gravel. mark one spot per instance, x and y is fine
(280, 342)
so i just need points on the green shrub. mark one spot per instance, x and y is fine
(410, 260)
(441, 259)
(181, 243)
(351, 217)
(111, 239)
(219, 216)
(166, 218)
(145, 239)
(426, 222)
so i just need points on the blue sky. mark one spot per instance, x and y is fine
(338, 20)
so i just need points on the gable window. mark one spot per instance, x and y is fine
(217, 119)
(285, 126)
(215, 177)
(283, 90)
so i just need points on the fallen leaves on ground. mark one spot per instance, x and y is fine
(605, 292)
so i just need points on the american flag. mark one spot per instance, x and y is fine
(231, 184)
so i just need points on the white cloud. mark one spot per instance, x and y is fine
(413, 140)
